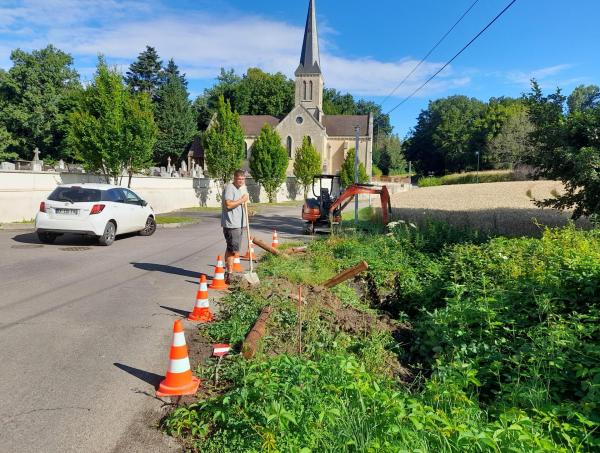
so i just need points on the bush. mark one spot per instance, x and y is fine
(429, 181)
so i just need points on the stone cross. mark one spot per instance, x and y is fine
(36, 155)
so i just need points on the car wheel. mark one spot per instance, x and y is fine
(47, 238)
(150, 227)
(109, 234)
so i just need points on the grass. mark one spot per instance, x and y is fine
(163, 220)
(468, 178)
(500, 337)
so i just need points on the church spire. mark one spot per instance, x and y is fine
(310, 63)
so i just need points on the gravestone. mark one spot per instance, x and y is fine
(61, 164)
(36, 163)
(7, 166)
(183, 168)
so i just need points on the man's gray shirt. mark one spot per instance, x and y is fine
(232, 218)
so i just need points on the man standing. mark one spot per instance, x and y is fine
(232, 217)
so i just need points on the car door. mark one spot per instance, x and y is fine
(119, 210)
(137, 211)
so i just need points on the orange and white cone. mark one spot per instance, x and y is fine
(237, 265)
(275, 242)
(250, 252)
(179, 380)
(219, 280)
(201, 311)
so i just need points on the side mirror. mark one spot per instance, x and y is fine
(144, 203)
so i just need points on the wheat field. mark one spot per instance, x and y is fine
(505, 208)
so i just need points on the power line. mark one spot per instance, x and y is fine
(430, 51)
(454, 57)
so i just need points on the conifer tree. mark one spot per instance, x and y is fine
(347, 171)
(145, 74)
(175, 117)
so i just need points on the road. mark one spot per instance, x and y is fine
(85, 331)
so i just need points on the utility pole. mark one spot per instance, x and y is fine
(477, 153)
(357, 131)
(409, 174)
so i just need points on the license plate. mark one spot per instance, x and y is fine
(67, 211)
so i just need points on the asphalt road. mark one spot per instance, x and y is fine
(85, 331)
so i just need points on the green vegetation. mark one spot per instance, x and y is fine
(110, 129)
(161, 219)
(307, 164)
(467, 178)
(347, 172)
(224, 143)
(495, 349)
(268, 161)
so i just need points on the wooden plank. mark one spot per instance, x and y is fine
(269, 249)
(346, 275)
(252, 341)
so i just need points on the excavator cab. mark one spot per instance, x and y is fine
(316, 210)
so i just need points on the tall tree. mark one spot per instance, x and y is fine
(145, 75)
(391, 158)
(206, 104)
(35, 95)
(511, 145)
(172, 70)
(260, 93)
(307, 164)
(224, 143)
(347, 172)
(111, 129)
(567, 149)
(583, 97)
(268, 161)
(175, 118)
(6, 140)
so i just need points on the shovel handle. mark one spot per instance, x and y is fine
(248, 234)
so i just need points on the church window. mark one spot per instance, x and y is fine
(299, 119)
(245, 150)
(310, 91)
(289, 147)
(305, 97)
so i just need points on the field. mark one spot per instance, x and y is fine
(505, 208)
(451, 342)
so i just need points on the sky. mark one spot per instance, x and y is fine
(367, 47)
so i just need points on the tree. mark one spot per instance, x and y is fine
(512, 144)
(175, 118)
(307, 164)
(35, 96)
(260, 93)
(583, 97)
(447, 135)
(172, 70)
(390, 156)
(145, 75)
(347, 171)
(567, 149)
(224, 143)
(111, 129)
(206, 104)
(268, 161)
(6, 140)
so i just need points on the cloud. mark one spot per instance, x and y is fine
(524, 77)
(201, 43)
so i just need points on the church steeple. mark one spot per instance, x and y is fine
(310, 63)
(309, 80)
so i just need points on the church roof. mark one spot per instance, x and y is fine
(310, 62)
(252, 124)
(343, 125)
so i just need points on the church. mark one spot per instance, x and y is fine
(331, 135)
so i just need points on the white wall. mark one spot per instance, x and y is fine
(21, 191)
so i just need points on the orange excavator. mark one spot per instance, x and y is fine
(327, 206)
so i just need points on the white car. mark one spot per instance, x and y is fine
(100, 210)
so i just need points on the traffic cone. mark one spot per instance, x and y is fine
(275, 242)
(179, 380)
(219, 280)
(201, 311)
(237, 265)
(250, 251)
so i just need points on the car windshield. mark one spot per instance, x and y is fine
(75, 194)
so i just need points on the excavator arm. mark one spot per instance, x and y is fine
(357, 189)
